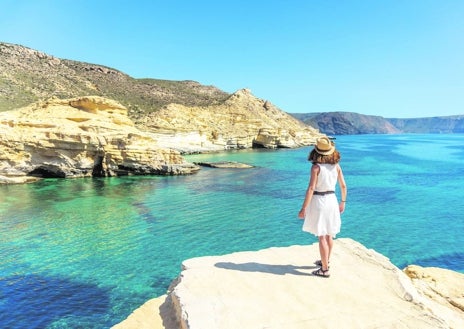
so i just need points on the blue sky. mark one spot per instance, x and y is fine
(396, 59)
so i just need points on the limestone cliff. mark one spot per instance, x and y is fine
(274, 288)
(242, 121)
(183, 115)
(80, 137)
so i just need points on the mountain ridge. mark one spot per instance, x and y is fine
(351, 123)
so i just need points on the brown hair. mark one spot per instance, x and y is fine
(333, 158)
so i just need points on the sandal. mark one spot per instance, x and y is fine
(320, 272)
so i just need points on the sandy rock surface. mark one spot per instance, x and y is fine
(274, 288)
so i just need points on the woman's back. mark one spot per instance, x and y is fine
(327, 177)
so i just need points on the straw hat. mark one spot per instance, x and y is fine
(324, 146)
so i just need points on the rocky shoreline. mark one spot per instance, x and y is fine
(274, 288)
(80, 137)
(93, 136)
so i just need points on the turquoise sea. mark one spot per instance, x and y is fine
(84, 253)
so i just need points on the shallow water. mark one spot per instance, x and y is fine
(84, 253)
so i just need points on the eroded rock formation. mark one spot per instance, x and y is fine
(80, 137)
(242, 121)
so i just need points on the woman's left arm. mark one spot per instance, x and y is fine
(343, 189)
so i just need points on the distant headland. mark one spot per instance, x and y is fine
(349, 123)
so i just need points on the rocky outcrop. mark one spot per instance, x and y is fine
(444, 287)
(242, 121)
(80, 137)
(274, 288)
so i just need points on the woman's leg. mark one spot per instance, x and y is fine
(325, 247)
(330, 243)
(324, 250)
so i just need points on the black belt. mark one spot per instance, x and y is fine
(323, 193)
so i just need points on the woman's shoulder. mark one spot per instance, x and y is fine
(329, 165)
(315, 167)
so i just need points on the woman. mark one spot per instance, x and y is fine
(321, 210)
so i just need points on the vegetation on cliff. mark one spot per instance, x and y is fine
(27, 76)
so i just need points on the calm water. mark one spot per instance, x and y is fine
(84, 253)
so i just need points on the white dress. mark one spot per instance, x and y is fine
(322, 216)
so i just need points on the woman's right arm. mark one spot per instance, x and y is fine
(310, 190)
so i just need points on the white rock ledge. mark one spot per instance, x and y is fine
(274, 288)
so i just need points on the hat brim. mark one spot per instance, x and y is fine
(327, 152)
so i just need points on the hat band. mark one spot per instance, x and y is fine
(321, 150)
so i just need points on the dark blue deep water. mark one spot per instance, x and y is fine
(84, 253)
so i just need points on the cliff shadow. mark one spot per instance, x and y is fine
(266, 268)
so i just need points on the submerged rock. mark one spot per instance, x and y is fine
(224, 164)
